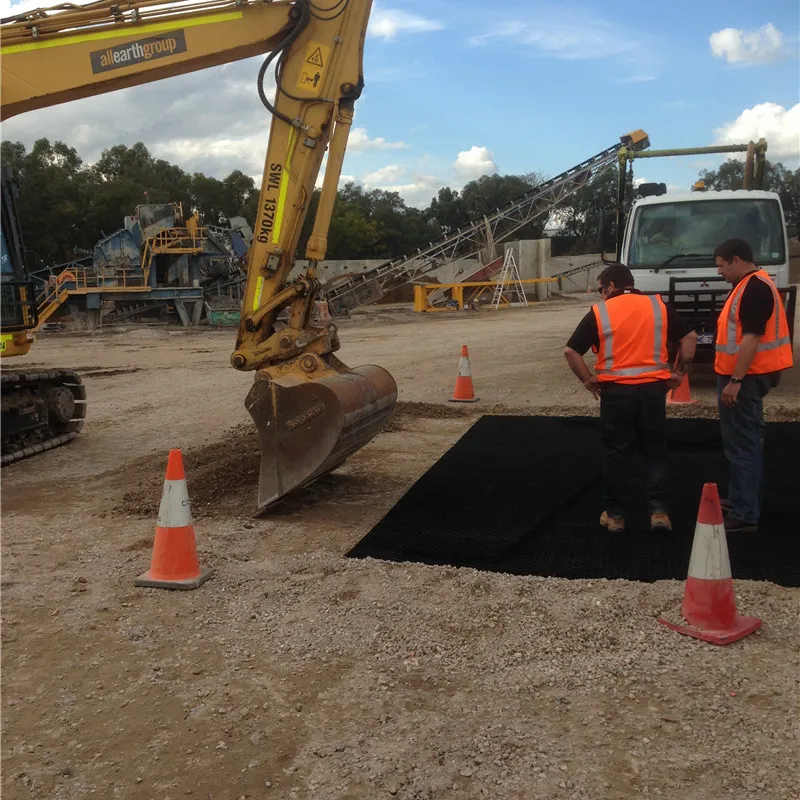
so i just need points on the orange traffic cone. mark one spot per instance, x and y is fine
(174, 563)
(682, 395)
(709, 602)
(464, 392)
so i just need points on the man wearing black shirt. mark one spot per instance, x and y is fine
(753, 347)
(585, 336)
(632, 381)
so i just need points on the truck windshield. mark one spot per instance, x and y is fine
(664, 230)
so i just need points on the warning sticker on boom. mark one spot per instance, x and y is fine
(312, 71)
(315, 58)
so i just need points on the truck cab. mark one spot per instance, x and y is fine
(669, 242)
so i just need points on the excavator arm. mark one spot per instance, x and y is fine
(311, 411)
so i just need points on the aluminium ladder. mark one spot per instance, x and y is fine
(510, 281)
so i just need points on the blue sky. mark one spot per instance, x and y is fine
(459, 88)
(544, 85)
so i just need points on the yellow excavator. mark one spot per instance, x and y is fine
(311, 411)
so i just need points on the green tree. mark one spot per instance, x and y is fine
(352, 234)
(55, 192)
(777, 178)
(128, 177)
(447, 210)
(402, 229)
(589, 208)
(487, 194)
(13, 155)
(207, 196)
(237, 190)
(374, 224)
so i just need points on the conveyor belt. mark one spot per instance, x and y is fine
(347, 293)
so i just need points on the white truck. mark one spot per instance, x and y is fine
(668, 242)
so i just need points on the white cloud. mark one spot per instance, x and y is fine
(781, 129)
(419, 188)
(419, 191)
(387, 23)
(248, 152)
(343, 179)
(747, 47)
(233, 137)
(640, 78)
(564, 34)
(359, 140)
(383, 176)
(471, 164)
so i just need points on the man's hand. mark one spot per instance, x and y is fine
(581, 371)
(730, 394)
(675, 380)
(593, 385)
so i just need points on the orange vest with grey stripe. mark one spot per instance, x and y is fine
(774, 351)
(632, 329)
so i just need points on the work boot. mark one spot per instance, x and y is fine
(613, 524)
(660, 521)
(734, 525)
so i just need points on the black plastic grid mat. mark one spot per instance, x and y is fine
(523, 495)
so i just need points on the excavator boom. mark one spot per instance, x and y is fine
(311, 411)
(55, 56)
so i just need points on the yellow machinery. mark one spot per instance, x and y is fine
(311, 411)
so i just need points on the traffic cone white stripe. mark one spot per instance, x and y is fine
(463, 368)
(174, 511)
(709, 559)
(709, 600)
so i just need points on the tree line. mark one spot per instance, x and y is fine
(66, 205)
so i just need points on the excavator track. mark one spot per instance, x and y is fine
(41, 409)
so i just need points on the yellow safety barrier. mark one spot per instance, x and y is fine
(459, 298)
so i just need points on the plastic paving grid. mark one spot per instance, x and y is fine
(523, 495)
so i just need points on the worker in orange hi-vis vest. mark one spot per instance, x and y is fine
(629, 332)
(753, 347)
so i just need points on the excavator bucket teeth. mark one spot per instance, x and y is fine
(308, 427)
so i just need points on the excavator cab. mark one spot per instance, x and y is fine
(17, 295)
(41, 409)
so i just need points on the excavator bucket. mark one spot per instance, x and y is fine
(309, 424)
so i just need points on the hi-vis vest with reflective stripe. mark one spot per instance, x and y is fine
(774, 351)
(632, 329)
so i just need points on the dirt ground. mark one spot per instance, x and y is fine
(297, 673)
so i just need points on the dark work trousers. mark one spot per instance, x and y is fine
(633, 418)
(743, 439)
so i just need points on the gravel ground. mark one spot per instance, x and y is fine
(297, 673)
